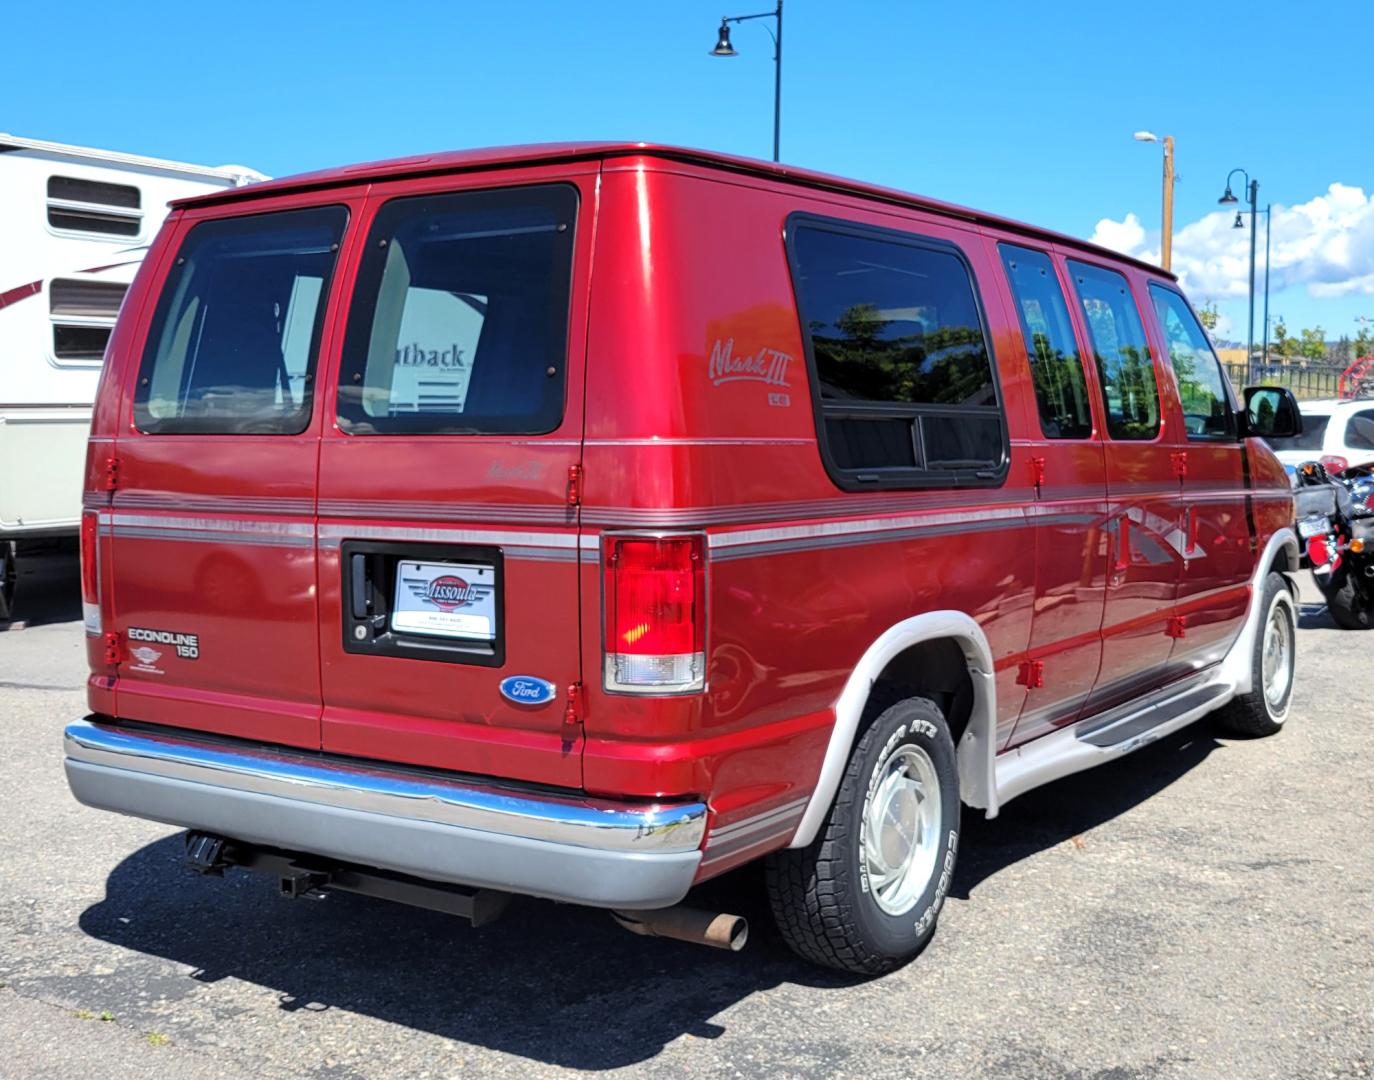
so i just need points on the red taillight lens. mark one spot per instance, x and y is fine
(90, 572)
(655, 600)
(1335, 463)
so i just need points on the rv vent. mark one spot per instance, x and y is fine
(94, 206)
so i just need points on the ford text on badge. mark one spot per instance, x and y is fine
(527, 690)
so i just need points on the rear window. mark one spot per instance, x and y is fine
(234, 338)
(1312, 437)
(459, 324)
(901, 362)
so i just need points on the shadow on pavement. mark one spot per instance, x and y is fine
(1050, 815)
(49, 586)
(559, 985)
(1315, 617)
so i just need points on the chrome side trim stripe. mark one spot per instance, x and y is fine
(771, 827)
(332, 535)
(374, 787)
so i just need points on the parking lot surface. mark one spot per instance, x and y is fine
(1204, 907)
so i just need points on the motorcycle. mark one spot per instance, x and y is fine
(1335, 520)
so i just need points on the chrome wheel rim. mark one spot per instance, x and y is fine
(901, 829)
(1276, 660)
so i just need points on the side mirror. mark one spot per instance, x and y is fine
(1271, 412)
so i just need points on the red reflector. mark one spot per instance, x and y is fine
(655, 613)
(1335, 463)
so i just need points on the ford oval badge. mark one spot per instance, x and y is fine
(527, 690)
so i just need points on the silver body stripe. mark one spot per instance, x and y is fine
(331, 535)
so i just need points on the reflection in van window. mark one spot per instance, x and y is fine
(1061, 389)
(1201, 385)
(459, 323)
(233, 342)
(902, 364)
(1123, 355)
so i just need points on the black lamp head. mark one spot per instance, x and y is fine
(1239, 222)
(723, 46)
(1228, 197)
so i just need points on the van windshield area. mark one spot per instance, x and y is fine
(234, 339)
(460, 320)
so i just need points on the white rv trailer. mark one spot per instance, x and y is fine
(74, 225)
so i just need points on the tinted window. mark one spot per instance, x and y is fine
(1312, 437)
(1207, 407)
(1123, 356)
(460, 321)
(1359, 430)
(900, 358)
(1061, 389)
(233, 342)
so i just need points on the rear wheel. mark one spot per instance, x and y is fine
(865, 894)
(8, 576)
(1264, 708)
(1347, 604)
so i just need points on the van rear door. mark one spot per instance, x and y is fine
(448, 528)
(212, 522)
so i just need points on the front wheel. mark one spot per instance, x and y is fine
(1273, 656)
(8, 577)
(864, 895)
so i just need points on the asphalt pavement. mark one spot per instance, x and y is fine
(1201, 909)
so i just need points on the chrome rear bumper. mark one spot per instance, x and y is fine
(428, 824)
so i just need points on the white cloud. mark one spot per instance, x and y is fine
(1325, 245)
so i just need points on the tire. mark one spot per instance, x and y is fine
(1263, 710)
(8, 577)
(826, 897)
(1347, 605)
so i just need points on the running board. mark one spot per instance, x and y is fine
(1127, 722)
(1108, 735)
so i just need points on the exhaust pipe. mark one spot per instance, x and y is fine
(717, 929)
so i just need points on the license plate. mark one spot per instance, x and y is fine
(1313, 527)
(455, 600)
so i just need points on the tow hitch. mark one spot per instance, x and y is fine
(301, 875)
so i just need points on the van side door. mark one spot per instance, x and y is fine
(1070, 499)
(1219, 549)
(1142, 489)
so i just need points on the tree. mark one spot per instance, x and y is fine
(1208, 315)
(1312, 343)
(1283, 344)
(1341, 352)
(1364, 343)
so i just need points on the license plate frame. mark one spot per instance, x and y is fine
(453, 601)
(1314, 526)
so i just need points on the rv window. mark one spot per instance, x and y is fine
(235, 335)
(460, 321)
(1061, 386)
(80, 344)
(94, 206)
(1123, 355)
(86, 299)
(899, 357)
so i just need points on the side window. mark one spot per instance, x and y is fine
(901, 362)
(1359, 430)
(94, 206)
(459, 324)
(1061, 388)
(1207, 411)
(233, 341)
(1123, 359)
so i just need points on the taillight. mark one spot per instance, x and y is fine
(90, 571)
(1335, 463)
(655, 611)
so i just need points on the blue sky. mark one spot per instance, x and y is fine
(1022, 108)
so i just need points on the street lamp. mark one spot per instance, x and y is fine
(1252, 197)
(1167, 243)
(1240, 224)
(724, 48)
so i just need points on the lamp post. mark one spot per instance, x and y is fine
(1167, 243)
(1252, 197)
(724, 48)
(1240, 224)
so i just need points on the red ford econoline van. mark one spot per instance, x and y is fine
(585, 521)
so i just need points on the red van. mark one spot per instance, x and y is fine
(587, 520)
